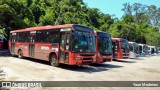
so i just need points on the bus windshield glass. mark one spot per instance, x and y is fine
(83, 41)
(146, 49)
(1, 40)
(140, 48)
(125, 46)
(104, 44)
(131, 47)
(135, 47)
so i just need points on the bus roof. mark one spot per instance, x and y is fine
(102, 33)
(131, 42)
(116, 39)
(141, 44)
(119, 39)
(151, 46)
(44, 28)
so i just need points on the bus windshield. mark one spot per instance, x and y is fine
(135, 47)
(1, 40)
(146, 49)
(104, 45)
(131, 47)
(125, 47)
(83, 41)
(140, 48)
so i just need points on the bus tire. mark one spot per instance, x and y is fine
(20, 54)
(114, 59)
(13, 55)
(53, 60)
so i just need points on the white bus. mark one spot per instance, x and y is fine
(133, 47)
(152, 50)
(143, 50)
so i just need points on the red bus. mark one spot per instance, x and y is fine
(120, 48)
(68, 44)
(103, 47)
(1, 43)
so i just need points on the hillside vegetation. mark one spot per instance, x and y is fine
(139, 23)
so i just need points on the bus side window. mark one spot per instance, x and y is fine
(68, 38)
(116, 45)
(25, 36)
(53, 36)
(62, 40)
(10, 37)
(67, 42)
(131, 47)
(49, 36)
(44, 37)
(38, 36)
(13, 37)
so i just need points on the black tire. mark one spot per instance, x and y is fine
(53, 60)
(20, 54)
(114, 59)
(94, 64)
(13, 55)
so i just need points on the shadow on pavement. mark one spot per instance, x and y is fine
(37, 60)
(82, 68)
(90, 68)
(78, 68)
(4, 53)
(123, 61)
(139, 58)
(105, 65)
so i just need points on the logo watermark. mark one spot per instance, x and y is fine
(20, 84)
(28, 84)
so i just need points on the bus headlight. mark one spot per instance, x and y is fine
(99, 55)
(78, 58)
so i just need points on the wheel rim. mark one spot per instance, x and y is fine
(53, 60)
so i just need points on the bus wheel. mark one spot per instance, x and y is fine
(53, 61)
(12, 55)
(114, 59)
(20, 54)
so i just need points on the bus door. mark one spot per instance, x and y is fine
(12, 41)
(64, 46)
(115, 48)
(31, 43)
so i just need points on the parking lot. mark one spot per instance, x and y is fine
(27, 69)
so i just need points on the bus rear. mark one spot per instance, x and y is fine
(103, 47)
(68, 44)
